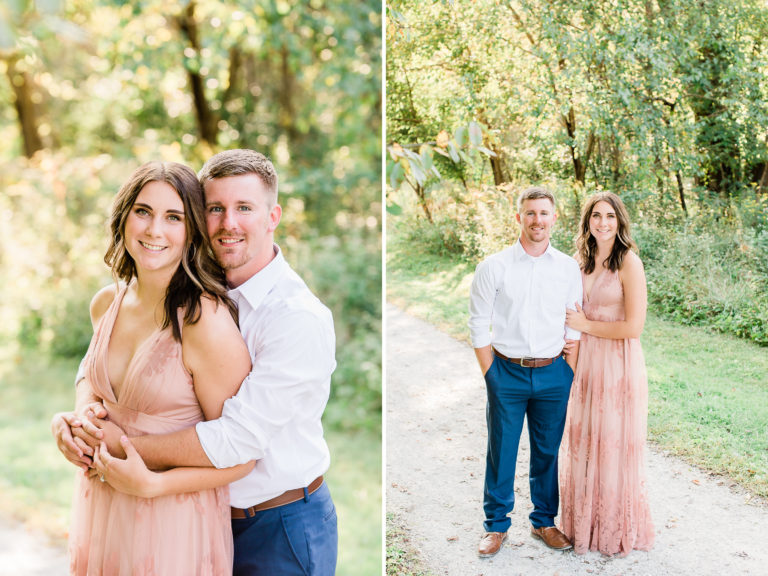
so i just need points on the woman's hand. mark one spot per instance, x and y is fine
(131, 475)
(86, 430)
(72, 447)
(576, 319)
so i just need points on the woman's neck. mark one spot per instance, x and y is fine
(149, 292)
(603, 253)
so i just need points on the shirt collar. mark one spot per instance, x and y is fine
(520, 253)
(256, 288)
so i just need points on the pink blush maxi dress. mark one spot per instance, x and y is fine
(602, 478)
(113, 534)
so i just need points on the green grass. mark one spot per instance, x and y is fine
(708, 392)
(355, 482)
(36, 482)
(708, 400)
(435, 288)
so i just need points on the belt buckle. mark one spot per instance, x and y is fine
(523, 361)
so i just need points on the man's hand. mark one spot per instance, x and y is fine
(106, 431)
(571, 351)
(74, 448)
(129, 475)
(484, 358)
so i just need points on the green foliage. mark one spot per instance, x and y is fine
(467, 225)
(590, 93)
(714, 280)
(356, 305)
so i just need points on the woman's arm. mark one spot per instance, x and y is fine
(75, 435)
(131, 476)
(215, 353)
(632, 277)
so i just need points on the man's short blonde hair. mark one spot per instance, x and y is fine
(241, 161)
(534, 193)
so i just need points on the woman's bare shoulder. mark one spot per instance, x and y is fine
(215, 322)
(101, 301)
(632, 267)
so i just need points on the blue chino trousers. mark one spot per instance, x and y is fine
(299, 538)
(515, 392)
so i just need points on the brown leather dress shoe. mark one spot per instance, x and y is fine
(491, 544)
(552, 537)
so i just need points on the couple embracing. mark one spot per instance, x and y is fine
(557, 342)
(199, 402)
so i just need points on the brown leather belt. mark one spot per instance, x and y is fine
(528, 362)
(286, 497)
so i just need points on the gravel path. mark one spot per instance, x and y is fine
(26, 553)
(435, 442)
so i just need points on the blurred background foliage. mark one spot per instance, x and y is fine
(661, 101)
(90, 89)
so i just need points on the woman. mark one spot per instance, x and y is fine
(604, 498)
(165, 354)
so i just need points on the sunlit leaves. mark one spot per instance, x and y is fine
(638, 96)
(416, 168)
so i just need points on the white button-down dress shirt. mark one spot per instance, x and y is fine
(275, 416)
(518, 302)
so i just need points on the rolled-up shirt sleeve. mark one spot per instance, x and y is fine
(291, 370)
(80, 371)
(481, 298)
(576, 294)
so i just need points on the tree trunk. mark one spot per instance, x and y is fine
(23, 87)
(762, 188)
(681, 191)
(287, 114)
(207, 122)
(500, 172)
(421, 193)
(579, 164)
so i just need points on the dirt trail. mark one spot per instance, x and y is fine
(27, 553)
(435, 442)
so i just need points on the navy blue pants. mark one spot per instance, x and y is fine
(515, 392)
(298, 538)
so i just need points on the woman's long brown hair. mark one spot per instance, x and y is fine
(586, 245)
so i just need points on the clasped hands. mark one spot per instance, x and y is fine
(99, 447)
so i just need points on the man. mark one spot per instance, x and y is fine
(517, 322)
(283, 518)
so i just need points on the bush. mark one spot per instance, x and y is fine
(345, 273)
(714, 280)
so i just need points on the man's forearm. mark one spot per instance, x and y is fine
(484, 358)
(162, 451)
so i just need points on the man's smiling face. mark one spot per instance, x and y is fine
(241, 222)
